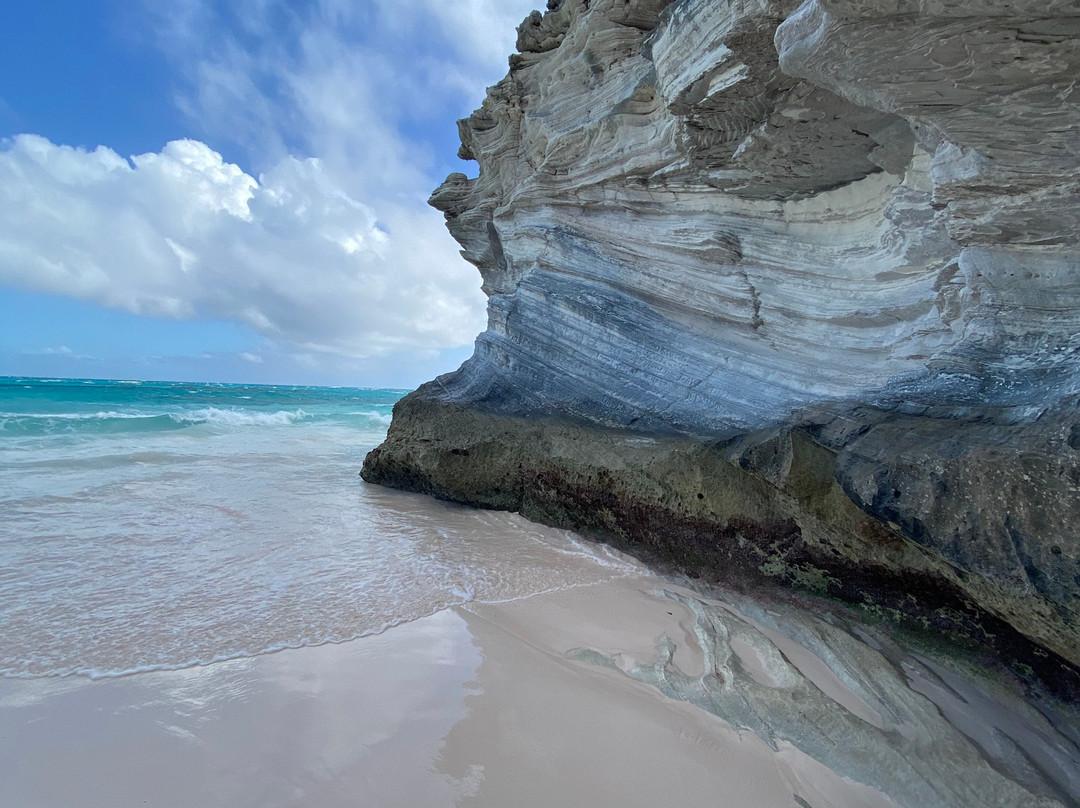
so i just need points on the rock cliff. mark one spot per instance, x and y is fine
(783, 291)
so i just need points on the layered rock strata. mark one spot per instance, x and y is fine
(785, 291)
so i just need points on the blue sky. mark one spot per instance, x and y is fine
(235, 191)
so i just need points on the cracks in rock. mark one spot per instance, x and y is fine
(757, 321)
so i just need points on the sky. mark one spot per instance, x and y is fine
(235, 190)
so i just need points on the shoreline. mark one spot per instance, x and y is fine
(622, 692)
(759, 513)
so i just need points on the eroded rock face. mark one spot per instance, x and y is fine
(851, 224)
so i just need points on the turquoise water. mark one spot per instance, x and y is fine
(78, 408)
(157, 525)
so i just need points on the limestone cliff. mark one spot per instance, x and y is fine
(783, 291)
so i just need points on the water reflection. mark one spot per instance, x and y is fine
(354, 724)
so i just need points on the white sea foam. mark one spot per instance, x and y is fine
(96, 673)
(378, 417)
(76, 416)
(157, 549)
(169, 601)
(237, 417)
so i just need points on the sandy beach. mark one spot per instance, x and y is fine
(536, 702)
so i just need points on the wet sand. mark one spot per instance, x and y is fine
(538, 702)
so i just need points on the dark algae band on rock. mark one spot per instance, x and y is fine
(783, 293)
(751, 512)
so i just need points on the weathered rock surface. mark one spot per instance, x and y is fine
(788, 290)
(852, 698)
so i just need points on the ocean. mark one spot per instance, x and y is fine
(162, 525)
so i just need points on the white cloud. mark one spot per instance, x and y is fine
(183, 234)
(480, 33)
(59, 350)
(359, 84)
(347, 109)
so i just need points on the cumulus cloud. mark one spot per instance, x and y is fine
(342, 112)
(183, 234)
